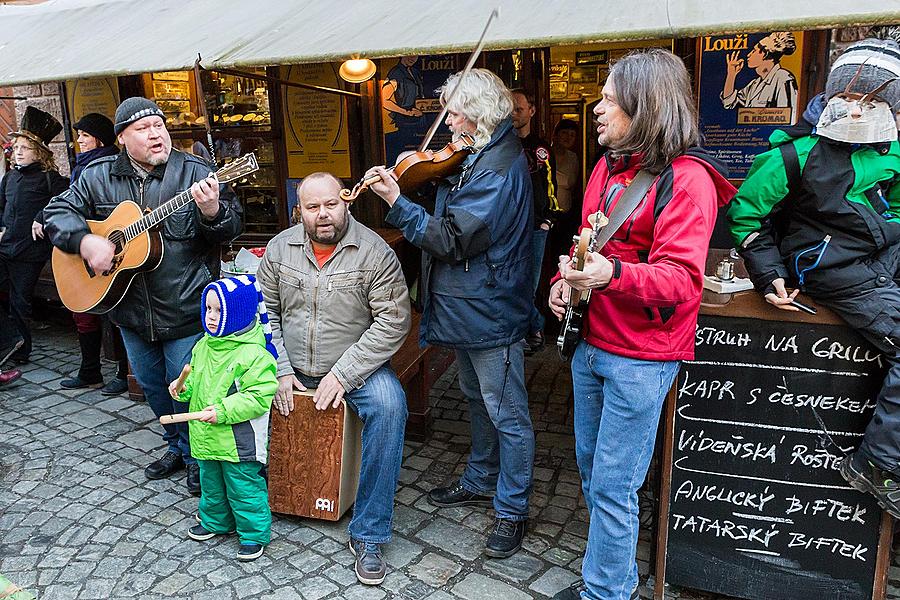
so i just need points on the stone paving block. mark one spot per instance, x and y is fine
(142, 439)
(363, 592)
(454, 538)
(315, 588)
(518, 568)
(434, 569)
(62, 592)
(252, 586)
(400, 552)
(553, 581)
(478, 587)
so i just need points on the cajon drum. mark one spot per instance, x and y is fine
(314, 458)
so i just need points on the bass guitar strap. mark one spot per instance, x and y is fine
(629, 200)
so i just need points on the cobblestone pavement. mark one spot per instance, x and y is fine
(79, 520)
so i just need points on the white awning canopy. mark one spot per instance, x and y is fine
(64, 39)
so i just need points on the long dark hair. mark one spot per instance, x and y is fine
(654, 89)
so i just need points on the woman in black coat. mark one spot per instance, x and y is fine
(96, 139)
(24, 192)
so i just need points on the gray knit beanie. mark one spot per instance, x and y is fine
(880, 60)
(133, 109)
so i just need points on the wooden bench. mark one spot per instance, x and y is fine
(418, 368)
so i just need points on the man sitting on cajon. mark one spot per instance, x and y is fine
(339, 310)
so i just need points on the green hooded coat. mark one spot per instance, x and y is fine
(235, 374)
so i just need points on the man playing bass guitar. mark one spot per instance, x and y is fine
(158, 315)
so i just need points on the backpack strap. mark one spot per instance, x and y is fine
(791, 166)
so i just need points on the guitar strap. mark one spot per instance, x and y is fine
(629, 200)
(168, 189)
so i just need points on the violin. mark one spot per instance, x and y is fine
(418, 168)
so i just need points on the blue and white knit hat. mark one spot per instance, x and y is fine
(242, 301)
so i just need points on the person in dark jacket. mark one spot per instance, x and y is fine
(646, 284)
(24, 192)
(96, 139)
(545, 206)
(820, 212)
(475, 286)
(158, 315)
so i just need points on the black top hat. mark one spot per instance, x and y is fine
(38, 126)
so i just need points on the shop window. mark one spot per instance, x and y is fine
(238, 109)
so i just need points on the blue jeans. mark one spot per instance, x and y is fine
(155, 365)
(381, 406)
(617, 405)
(502, 456)
(538, 244)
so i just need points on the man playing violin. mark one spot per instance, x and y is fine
(476, 274)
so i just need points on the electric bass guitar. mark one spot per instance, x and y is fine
(570, 333)
(138, 245)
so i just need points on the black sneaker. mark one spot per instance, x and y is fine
(115, 387)
(370, 568)
(872, 480)
(534, 343)
(506, 538)
(200, 533)
(248, 552)
(193, 479)
(457, 495)
(76, 383)
(162, 468)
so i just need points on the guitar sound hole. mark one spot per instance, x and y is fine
(117, 237)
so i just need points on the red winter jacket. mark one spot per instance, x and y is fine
(649, 309)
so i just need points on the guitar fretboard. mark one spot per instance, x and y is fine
(157, 215)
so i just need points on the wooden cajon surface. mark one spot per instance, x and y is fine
(314, 458)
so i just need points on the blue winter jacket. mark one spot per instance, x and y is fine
(476, 265)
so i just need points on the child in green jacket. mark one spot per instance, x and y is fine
(232, 381)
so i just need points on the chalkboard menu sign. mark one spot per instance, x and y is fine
(757, 508)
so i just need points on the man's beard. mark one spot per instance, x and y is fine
(337, 233)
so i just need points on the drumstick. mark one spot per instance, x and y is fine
(179, 385)
(181, 417)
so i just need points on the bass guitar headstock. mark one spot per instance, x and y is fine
(239, 167)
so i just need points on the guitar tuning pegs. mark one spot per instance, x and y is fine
(576, 239)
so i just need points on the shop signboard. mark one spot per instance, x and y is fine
(315, 123)
(96, 95)
(410, 101)
(748, 88)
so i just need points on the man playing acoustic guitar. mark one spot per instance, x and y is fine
(158, 315)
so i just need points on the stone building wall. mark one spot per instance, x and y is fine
(44, 96)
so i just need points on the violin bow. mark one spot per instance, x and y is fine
(495, 14)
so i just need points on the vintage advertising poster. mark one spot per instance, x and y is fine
(410, 102)
(97, 95)
(748, 88)
(315, 123)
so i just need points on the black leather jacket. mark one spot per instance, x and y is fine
(162, 304)
(23, 195)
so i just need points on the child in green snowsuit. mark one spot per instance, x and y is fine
(232, 381)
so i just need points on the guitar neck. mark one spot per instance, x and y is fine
(238, 168)
(158, 215)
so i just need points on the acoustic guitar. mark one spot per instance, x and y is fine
(136, 235)
(570, 333)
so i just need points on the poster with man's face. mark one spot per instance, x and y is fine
(748, 88)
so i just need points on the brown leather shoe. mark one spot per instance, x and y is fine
(9, 376)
